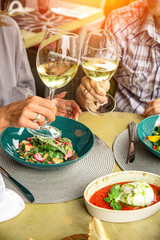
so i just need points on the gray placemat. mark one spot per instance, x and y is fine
(144, 159)
(60, 184)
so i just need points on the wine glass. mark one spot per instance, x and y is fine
(57, 63)
(99, 58)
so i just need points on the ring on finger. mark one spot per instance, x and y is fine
(37, 118)
(84, 91)
(69, 110)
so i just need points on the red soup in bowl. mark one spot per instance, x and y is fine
(98, 198)
(124, 196)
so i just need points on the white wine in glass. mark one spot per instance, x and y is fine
(57, 63)
(99, 58)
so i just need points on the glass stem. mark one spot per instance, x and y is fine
(51, 93)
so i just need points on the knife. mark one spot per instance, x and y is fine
(131, 152)
(25, 191)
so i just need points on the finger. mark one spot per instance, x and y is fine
(75, 106)
(151, 105)
(64, 114)
(26, 122)
(74, 110)
(97, 88)
(105, 85)
(61, 95)
(93, 96)
(151, 110)
(148, 113)
(85, 82)
(94, 90)
(41, 120)
(149, 102)
(91, 86)
(41, 101)
(32, 117)
(86, 94)
(43, 109)
(147, 110)
(97, 96)
(75, 116)
(68, 108)
(30, 124)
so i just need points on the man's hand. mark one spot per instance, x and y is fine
(90, 90)
(153, 108)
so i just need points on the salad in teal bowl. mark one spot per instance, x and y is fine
(76, 142)
(148, 131)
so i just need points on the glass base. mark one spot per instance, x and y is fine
(99, 109)
(46, 131)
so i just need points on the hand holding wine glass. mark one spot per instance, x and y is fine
(99, 59)
(57, 63)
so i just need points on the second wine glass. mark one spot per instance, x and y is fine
(99, 58)
(57, 63)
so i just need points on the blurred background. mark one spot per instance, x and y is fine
(107, 5)
(34, 17)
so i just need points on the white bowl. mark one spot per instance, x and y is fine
(115, 215)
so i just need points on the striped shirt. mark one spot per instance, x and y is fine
(138, 73)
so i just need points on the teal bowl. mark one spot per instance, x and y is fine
(81, 136)
(146, 128)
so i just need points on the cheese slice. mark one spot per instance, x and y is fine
(97, 230)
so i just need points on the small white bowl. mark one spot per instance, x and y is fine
(121, 216)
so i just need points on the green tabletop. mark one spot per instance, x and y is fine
(55, 221)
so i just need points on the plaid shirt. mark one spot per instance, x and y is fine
(138, 73)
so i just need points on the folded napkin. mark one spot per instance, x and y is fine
(11, 204)
(69, 12)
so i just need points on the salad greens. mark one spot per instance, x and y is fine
(46, 151)
(155, 139)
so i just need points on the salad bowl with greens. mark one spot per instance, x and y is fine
(148, 131)
(76, 141)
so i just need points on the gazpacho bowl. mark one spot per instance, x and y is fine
(120, 216)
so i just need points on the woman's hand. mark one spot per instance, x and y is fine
(67, 108)
(153, 108)
(90, 90)
(23, 113)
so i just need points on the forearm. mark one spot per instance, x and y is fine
(80, 99)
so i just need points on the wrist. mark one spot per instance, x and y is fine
(3, 120)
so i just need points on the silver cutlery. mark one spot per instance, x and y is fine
(131, 152)
(25, 191)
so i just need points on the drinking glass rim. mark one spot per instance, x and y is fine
(101, 30)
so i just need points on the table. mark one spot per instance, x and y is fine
(55, 221)
(31, 38)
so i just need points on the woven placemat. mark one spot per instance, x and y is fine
(144, 159)
(61, 184)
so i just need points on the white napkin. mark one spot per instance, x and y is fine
(69, 12)
(11, 204)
